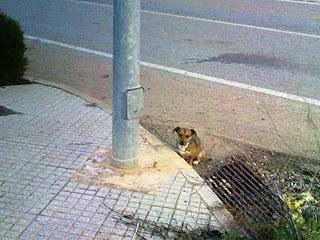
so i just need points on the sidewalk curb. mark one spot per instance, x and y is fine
(208, 196)
(88, 98)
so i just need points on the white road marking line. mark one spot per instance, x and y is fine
(208, 20)
(237, 24)
(90, 3)
(65, 45)
(187, 73)
(299, 2)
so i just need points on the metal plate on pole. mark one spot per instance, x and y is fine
(134, 101)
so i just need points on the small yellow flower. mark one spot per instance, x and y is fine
(295, 203)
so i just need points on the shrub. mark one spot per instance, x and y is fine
(13, 63)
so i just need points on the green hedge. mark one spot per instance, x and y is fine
(13, 63)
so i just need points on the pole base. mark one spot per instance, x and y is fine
(127, 163)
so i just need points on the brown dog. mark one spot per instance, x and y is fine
(189, 145)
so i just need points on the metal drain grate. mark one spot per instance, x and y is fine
(5, 111)
(245, 195)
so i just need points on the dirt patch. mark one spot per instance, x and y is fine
(234, 113)
(217, 147)
(157, 164)
(287, 169)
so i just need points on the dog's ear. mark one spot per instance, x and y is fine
(176, 129)
(193, 132)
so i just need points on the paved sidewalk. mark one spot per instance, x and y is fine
(41, 148)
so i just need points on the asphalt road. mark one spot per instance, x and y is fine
(269, 44)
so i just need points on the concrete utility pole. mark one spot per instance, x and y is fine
(127, 93)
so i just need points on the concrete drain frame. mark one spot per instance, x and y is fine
(246, 196)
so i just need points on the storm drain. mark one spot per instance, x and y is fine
(245, 194)
(5, 111)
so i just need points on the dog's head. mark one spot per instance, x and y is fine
(184, 134)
